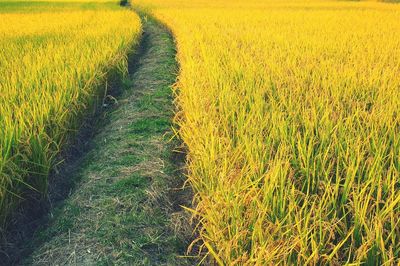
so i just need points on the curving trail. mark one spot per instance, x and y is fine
(124, 208)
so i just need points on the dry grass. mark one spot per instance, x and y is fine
(290, 112)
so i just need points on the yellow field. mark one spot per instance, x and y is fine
(290, 112)
(52, 66)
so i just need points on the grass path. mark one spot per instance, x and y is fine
(124, 208)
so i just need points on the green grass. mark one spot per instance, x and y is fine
(120, 212)
(146, 126)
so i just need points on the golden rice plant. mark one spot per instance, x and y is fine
(52, 65)
(290, 113)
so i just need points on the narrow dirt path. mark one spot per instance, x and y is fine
(120, 211)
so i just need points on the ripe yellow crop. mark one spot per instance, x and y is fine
(290, 112)
(52, 65)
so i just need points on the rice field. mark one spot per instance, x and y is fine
(290, 114)
(54, 64)
(289, 111)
